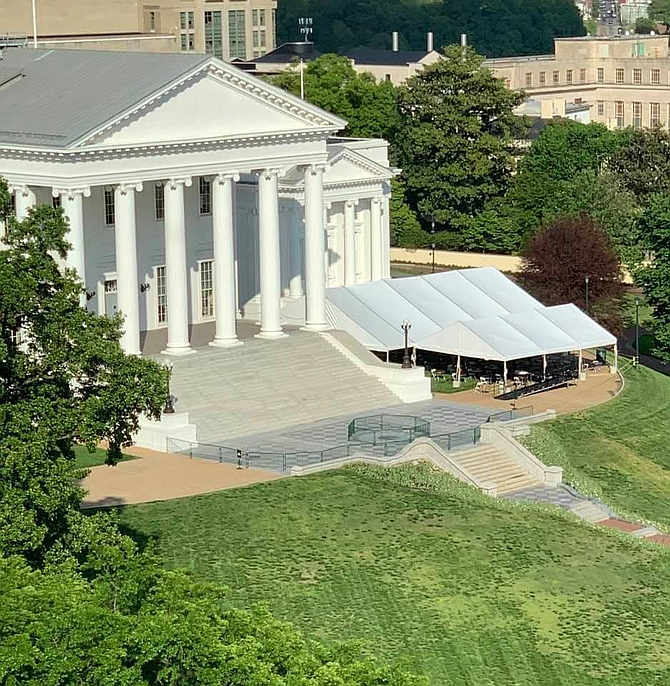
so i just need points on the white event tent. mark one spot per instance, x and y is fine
(475, 313)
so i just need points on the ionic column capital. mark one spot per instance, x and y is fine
(19, 189)
(124, 188)
(226, 177)
(269, 174)
(328, 205)
(314, 169)
(376, 200)
(351, 203)
(71, 193)
(179, 181)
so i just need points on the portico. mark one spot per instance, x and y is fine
(198, 193)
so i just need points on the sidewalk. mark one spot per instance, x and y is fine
(627, 347)
(159, 476)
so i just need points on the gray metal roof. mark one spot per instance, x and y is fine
(51, 98)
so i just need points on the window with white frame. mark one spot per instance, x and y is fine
(187, 31)
(655, 77)
(161, 296)
(159, 201)
(637, 115)
(619, 75)
(654, 114)
(568, 76)
(637, 76)
(529, 79)
(582, 75)
(109, 206)
(17, 334)
(205, 196)
(207, 289)
(557, 78)
(111, 286)
(601, 108)
(620, 114)
(600, 75)
(543, 78)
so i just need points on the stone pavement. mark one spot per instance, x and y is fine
(444, 417)
(158, 476)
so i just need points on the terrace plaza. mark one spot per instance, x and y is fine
(245, 242)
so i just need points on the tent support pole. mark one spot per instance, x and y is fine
(387, 357)
(457, 381)
(505, 372)
(582, 376)
(615, 368)
(544, 367)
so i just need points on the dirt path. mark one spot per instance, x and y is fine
(159, 476)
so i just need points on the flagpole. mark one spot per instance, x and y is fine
(34, 25)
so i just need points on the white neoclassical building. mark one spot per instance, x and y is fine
(195, 192)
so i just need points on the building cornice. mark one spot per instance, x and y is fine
(89, 154)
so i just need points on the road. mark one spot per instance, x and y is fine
(608, 23)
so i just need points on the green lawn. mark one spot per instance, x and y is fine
(469, 590)
(447, 386)
(620, 450)
(86, 460)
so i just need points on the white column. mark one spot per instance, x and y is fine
(386, 238)
(295, 281)
(350, 243)
(270, 254)
(315, 248)
(176, 276)
(615, 367)
(326, 250)
(223, 232)
(25, 199)
(72, 202)
(126, 265)
(376, 255)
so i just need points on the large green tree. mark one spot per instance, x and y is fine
(655, 277)
(563, 152)
(368, 106)
(456, 124)
(64, 379)
(660, 11)
(132, 623)
(495, 27)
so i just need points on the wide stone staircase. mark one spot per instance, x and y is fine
(489, 465)
(267, 385)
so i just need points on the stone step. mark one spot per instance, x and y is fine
(521, 483)
(590, 512)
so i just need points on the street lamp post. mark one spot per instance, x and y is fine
(406, 360)
(586, 281)
(169, 403)
(432, 245)
(637, 331)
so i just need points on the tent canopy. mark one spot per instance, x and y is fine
(478, 313)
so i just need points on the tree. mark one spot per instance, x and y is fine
(644, 25)
(455, 126)
(558, 260)
(562, 152)
(406, 231)
(655, 277)
(63, 379)
(641, 161)
(495, 28)
(659, 10)
(332, 83)
(138, 624)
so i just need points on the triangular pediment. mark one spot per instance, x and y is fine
(349, 165)
(218, 102)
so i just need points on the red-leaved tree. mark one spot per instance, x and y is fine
(558, 261)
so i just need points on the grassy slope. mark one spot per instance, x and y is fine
(620, 450)
(466, 589)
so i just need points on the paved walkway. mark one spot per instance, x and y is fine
(157, 476)
(598, 388)
(627, 346)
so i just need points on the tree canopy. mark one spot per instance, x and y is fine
(660, 11)
(495, 28)
(332, 83)
(456, 121)
(64, 379)
(558, 260)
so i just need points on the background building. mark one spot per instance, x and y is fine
(626, 79)
(227, 29)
